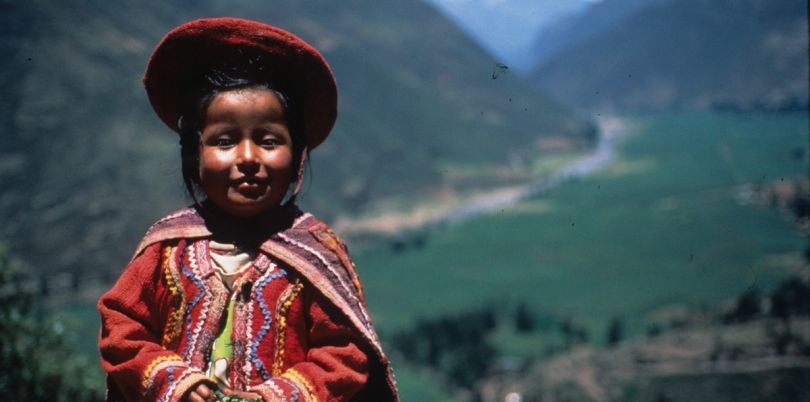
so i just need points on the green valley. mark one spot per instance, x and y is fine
(661, 234)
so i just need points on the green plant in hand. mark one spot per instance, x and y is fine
(221, 397)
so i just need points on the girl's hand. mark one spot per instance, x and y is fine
(244, 395)
(200, 393)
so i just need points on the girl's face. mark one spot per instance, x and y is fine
(246, 151)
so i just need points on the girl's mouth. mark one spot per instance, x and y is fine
(249, 185)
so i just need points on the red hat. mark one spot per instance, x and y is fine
(296, 67)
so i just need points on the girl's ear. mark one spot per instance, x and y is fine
(299, 175)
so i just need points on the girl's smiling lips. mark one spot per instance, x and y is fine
(250, 184)
(249, 180)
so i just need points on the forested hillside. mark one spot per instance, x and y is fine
(86, 166)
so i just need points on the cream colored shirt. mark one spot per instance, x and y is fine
(229, 261)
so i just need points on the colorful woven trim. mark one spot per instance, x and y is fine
(308, 391)
(270, 391)
(182, 224)
(282, 309)
(178, 387)
(174, 325)
(329, 239)
(273, 272)
(154, 367)
(190, 271)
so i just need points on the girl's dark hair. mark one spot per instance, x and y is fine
(241, 71)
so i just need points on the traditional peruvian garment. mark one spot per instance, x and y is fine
(286, 320)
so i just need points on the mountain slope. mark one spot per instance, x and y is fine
(86, 165)
(689, 53)
(598, 18)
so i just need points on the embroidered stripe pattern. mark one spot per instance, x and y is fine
(303, 217)
(272, 385)
(201, 248)
(285, 301)
(248, 338)
(201, 286)
(272, 273)
(154, 367)
(335, 274)
(262, 262)
(172, 386)
(301, 383)
(199, 252)
(182, 212)
(170, 374)
(294, 396)
(174, 324)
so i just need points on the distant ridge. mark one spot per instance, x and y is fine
(724, 54)
(582, 26)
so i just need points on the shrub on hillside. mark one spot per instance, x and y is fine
(746, 308)
(615, 332)
(791, 298)
(37, 363)
(455, 345)
(524, 319)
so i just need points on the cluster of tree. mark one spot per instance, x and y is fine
(456, 345)
(615, 331)
(789, 105)
(790, 298)
(37, 363)
(409, 241)
(572, 332)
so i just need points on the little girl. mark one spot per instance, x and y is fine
(242, 293)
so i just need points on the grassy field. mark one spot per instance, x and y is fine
(659, 229)
(776, 385)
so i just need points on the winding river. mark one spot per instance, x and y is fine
(609, 129)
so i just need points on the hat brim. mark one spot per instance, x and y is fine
(297, 68)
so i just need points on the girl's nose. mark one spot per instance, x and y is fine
(246, 154)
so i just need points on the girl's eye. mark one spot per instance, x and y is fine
(269, 142)
(223, 142)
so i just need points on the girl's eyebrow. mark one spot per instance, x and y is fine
(218, 129)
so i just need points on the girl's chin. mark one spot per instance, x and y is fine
(245, 210)
(246, 203)
(249, 193)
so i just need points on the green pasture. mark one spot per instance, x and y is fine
(658, 228)
(769, 385)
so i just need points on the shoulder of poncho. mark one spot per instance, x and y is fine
(313, 240)
(309, 231)
(183, 223)
(188, 223)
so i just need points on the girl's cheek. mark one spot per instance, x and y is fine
(212, 160)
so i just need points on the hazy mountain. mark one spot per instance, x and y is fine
(739, 54)
(575, 28)
(85, 165)
(507, 28)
